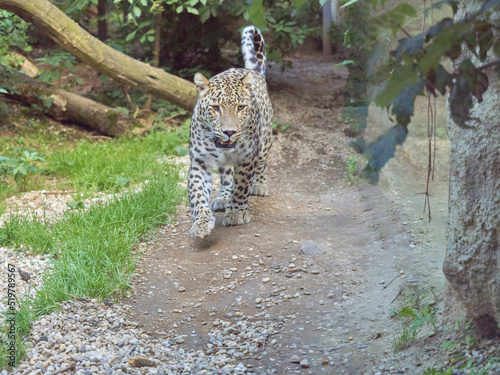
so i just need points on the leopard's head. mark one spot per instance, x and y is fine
(224, 106)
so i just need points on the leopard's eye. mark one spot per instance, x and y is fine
(241, 107)
(215, 108)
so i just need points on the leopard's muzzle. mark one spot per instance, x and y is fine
(228, 143)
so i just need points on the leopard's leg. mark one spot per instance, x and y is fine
(223, 199)
(259, 183)
(237, 211)
(199, 189)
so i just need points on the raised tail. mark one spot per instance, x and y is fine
(253, 49)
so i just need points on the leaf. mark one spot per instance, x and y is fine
(257, 16)
(76, 205)
(496, 48)
(403, 106)
(446, 43)
(401, 77)
(123, 181)
(380, 151)
(137, 11)
(409, 46)
(192, 10)
(485, 38)
(460, 101)
(205, 15)
(437, 28)
(443, 80)
(130, 36)
(350, 2)
(345, 62)
(481, 86)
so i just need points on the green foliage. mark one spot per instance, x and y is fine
(20, 167)
(351, 171)
(12, 36)
(110, 166)
(55, 63)
(416, 63)
(278, 127)
(417, 310)
(416, 66)
(99, 267)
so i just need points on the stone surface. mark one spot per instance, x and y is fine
(311, 248)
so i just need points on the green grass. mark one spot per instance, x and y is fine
(109, 166)
(94, 247)
(351, 173)
(86, 166)
(416, 311)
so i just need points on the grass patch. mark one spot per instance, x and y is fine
(417, 311)
(351, 171)
(112, 165)
(82, 165)
(94, 247)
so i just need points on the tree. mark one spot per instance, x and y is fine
(71, 37)
(472, 42)
(472, 262)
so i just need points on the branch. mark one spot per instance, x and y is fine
(480, 68)
(90, 50)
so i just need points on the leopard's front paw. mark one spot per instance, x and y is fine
(236, 217)
(202, 228)
(259, 188)
(219, 204)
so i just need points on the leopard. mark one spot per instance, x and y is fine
(231, 133)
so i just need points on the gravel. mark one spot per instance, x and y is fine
(88, 337)
(34, 265)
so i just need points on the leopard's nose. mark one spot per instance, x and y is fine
(229, 133)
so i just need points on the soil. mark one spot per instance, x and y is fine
(374, 243)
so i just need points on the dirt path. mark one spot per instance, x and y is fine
(331, 307)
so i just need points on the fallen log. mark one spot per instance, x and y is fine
(63, 105)
(112, 63)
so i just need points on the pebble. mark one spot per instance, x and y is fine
(129, 349)
(311, 248)
(304, 363)
(266, 279)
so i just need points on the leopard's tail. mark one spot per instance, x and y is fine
(253, 49)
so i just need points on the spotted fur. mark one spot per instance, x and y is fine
(231, 132)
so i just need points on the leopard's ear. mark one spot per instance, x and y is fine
(247, 81)
(201, 83)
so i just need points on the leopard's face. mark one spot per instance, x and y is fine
(224, 106)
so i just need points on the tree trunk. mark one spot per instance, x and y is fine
(472, 262)
(68, 35)
(327, 23)
(102, 22)
(65, 105)
(156, 55)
